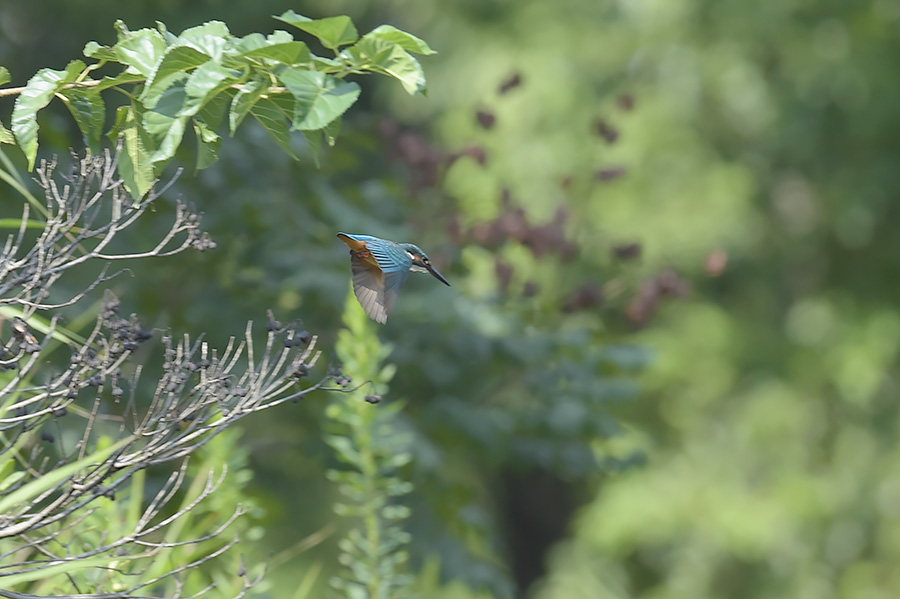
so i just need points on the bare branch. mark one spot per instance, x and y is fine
(56, 491)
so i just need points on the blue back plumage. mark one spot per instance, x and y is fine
(391, 257)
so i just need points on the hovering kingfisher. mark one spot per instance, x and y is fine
(379, 268)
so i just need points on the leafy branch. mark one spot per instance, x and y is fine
(369, 442)
(169, 84)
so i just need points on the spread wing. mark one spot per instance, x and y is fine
(379, 269)
(375, 289)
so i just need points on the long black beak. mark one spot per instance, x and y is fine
(437, 275)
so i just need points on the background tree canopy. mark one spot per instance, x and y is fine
(666, 365)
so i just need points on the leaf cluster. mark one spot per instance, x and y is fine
(196, 80)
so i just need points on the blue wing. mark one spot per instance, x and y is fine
(376, 287)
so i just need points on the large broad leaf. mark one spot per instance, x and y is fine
(379, 55)
(174, 63)
(89, 111)
(166, 124)
(209, 38)
(134, 162)
(36, 95)
(243, 102)
(271, 117)
(405, 40)
(139, 50)
(321, 98)
(4, 76)
(333, 32)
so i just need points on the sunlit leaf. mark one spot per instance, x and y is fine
(376, 54)
(204, 83)
(5, 77)
(279, 36)
(99, 52)
(37, 94)
(170, 69)
(333, 32)
(321, 98)
(405, 40)
(286, 53)
(140, 50)
(209, 38)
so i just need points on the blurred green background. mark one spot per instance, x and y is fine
(666, 367)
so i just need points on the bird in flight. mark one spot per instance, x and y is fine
(379, 268)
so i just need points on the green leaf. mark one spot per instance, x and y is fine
(140, 50)
(376, 54)
(286, 102)
(15, 223)
(333, 32)
(134, 162)
(6, 136)
(243, 102)
(89, 111)
(57, 475)
(213, 112)
(249, 42)
(5, 77)
(37, 94)
(285, 53)
(166, 124)
(270, 116)
(279, 36)
(332, 130)
(12, 479)
(122, 78)
(321, 98)
(170, 69)
(47, 572)
(95, 50)
(208, 145)
(205, 83)
(314, 140)
(327, 65)
(405, 40)
(209, 38)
